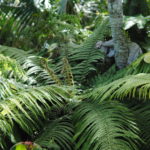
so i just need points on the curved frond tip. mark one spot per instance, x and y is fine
(133, 86)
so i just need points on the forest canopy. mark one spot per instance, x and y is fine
(74, 74)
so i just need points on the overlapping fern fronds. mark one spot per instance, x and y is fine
(141, 65)
(26, 106)
(132, 86)
(16, 18)
(57, 133)
(87, 55)
(18, 54)
(31, 63)
(8, 87)
(142, 115)
(34, 67)
(105, 126)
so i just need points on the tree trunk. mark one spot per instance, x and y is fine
(115, 9)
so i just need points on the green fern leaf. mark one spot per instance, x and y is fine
(57, 132)
(133, 86)
(105, 126)
(87, 55)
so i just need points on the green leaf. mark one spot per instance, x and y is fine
(147, 58)
(57, 134)
(104, 126)
(20, 147)
(140, 21)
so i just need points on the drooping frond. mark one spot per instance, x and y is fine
(87, 55)
(15, 53)
(104, 126)
(9, 87)
(27, 106)
(46, 73)
(57, 133)
(36, 69)
(30, 63)
(132, 86)
(141, 65)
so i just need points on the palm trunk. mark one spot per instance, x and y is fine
(115, 9)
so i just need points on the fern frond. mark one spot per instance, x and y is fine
(43, 75)
(58, 132)
(87, 55)
(132, 86)
(51, 72)
(9, 87)
(26, 106)
(141, 65)
(105, 126)
(19, 17)
(18, 54)
(30, 63)
(142, 115)
(66, 70)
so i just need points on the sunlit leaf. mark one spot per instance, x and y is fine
(140, 21)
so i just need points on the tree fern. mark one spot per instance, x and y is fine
(105, 126)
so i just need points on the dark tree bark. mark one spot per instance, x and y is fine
(115, 9)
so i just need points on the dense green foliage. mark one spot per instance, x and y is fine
(56, 88)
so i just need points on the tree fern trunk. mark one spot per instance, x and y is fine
(115, 9)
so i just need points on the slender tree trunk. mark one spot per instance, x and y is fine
(115, 9)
